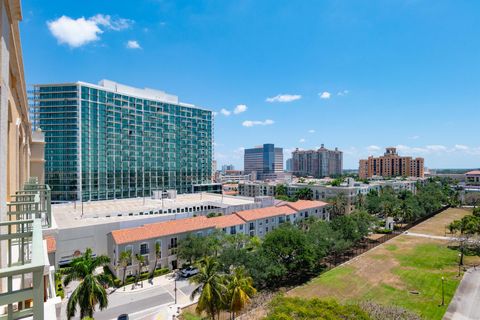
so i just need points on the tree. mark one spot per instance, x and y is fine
(141, 261)
(281, 190)
(192, 248)
(467, 227)
(288, 246)
(124, 261)
(338, 204)
(90, 290)
(240, 290)
(304, 194)
(211, 287)
(158, 255)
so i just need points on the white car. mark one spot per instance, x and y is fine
(188, 272)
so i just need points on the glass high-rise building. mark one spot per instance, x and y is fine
(110, 141)
(266, 161)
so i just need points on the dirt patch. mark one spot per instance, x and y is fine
(437, 225)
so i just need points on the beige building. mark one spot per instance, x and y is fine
(391, 165)
(26, 279)
(472, 178)
(143, 240)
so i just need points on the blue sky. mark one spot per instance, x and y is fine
(358, 75)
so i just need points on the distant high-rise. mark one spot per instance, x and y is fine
(317, 163)
(289, 165)
(228, 167)
(391, 165)
(112, 141)
(266, 161)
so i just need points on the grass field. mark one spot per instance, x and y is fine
(405, 271)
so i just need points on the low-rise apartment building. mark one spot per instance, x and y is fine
(472, 178)
(254, 222)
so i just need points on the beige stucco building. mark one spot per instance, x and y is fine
(391, 165)
(26, 284)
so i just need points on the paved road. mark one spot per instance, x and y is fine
(150, 300)
(465, 305)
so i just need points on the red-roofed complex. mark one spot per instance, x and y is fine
(472, 178)
(255, 222)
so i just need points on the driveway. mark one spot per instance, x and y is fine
(465, 304)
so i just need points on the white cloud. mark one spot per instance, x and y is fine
(78, 32)
(225, 112)
(325, 95)
(240, 108)
(311, 131)
(436, 148)
(461, 147)
(414, 137)
(284, 98)
(343, 93)
(373, 148)
(302, 140)
(214, 113)
(133, 44)
(251, 123)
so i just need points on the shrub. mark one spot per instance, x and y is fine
(383, 231)
(161, 272)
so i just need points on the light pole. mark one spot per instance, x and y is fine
(443, 291)
(459, 263)
(175, 289)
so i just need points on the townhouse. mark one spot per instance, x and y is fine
(143, 240)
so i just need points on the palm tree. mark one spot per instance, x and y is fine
(158, 255)
(211, 287)
(141, 261)
(338, 204)
(124, 261)
(90, 291)
(407, 212)
(240, 290)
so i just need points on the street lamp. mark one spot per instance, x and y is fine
(443, 291)
(459, 263)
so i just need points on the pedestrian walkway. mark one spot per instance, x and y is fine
(429, 236)
(465, 303)
(159, 281)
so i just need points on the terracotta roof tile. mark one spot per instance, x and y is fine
(160, 229)
(306, 204)
(254, 214)
(473, 172)
(226, 221)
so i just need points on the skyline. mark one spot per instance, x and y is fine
(296, 75)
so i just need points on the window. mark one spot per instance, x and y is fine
(144, 248)
(252, 226)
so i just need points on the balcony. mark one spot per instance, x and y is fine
(26, 279)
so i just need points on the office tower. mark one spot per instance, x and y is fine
(289, 165)
(111, 141)
(391, 165)
(228, 167)
(317, 163)
(265, 161)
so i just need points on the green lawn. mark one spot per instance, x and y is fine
(406, 272)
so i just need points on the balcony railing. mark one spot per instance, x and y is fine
(23, 274)
(22, 284)
(33, 202)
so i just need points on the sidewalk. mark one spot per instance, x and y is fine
(159, 281)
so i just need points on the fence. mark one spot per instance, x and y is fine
(368, 244)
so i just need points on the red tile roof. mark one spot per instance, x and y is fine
(160, 229)
(226, 221)
(473, 172)
(51, 244)
(254, 214)
(306, 204)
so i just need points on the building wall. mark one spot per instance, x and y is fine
(104, 143)
(391, 165)
(264, 161)
(472, 179)
(317, 163)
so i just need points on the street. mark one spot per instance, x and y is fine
(153, 301)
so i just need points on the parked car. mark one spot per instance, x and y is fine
(123, 317)
(188, 272)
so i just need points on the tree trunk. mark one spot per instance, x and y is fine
(124, 274)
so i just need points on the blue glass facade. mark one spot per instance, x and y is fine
(104, 144)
